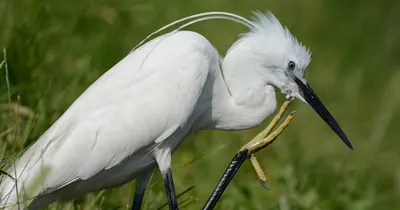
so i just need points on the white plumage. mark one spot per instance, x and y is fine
(126, 110)
(137, 113)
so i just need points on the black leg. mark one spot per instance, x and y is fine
(141, 183)
(235, 164)
(170, 189)
(137, 200)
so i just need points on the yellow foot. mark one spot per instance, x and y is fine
(259, 171)
(264, 138)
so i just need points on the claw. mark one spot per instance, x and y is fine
(260, 173)
(264, 185)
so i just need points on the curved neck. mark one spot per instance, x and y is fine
(246, 76)
(241, 98)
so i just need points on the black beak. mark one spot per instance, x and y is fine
(312, 99)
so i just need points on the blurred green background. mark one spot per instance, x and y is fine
(56, 49)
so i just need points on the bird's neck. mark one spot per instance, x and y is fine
(246, 77)
(244, 99)
(245, 73)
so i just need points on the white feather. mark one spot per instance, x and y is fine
(124, 111)
(142, 108)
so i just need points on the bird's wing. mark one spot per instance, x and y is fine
(131, 106)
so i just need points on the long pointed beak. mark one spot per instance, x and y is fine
(313, 100)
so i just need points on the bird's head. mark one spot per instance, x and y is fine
(280, 60)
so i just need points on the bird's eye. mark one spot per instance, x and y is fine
(291, 65)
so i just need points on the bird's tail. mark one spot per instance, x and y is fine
(8, 189)
(17, 182)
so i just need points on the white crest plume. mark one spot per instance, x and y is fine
(268, 28)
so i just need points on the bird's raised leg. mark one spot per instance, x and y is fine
(163, 158)
(141, 183)
(262, 140)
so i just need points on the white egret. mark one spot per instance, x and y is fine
(135, 115)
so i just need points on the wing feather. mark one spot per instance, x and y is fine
(140, 101)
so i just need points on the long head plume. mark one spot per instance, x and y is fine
(192, 20)
(199, 18)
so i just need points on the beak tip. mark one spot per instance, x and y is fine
(347, 142)
(350, 146)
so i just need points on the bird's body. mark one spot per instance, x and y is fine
(135, 115)
(107, 137)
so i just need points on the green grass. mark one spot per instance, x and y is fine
(56, 49)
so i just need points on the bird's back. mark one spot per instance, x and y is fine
(151, 92)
